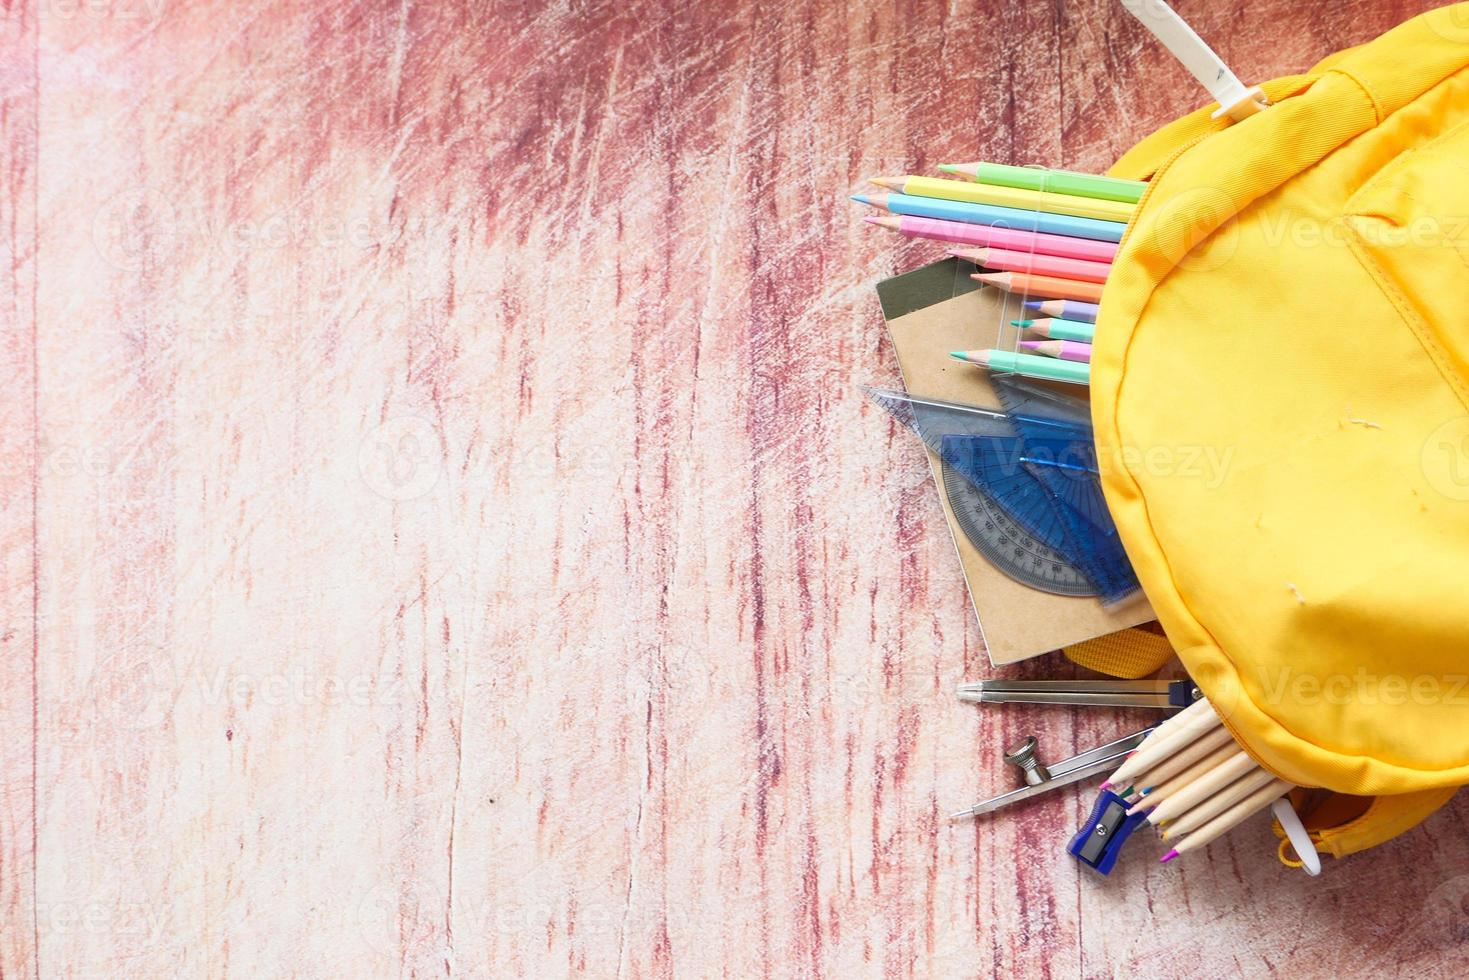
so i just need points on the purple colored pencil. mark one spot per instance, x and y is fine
(1065, 309)
(1066, 350)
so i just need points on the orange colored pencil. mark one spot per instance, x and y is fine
(1047, 286)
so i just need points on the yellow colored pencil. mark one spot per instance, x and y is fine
(996, 195)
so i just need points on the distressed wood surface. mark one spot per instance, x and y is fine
(441, 535)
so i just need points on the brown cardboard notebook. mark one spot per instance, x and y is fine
(930, 312)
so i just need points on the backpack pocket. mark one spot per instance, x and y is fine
(1409, 227)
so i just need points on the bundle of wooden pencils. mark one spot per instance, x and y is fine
(1048, 236)
(1193, 781)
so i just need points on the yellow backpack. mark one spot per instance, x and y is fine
(1293, 295)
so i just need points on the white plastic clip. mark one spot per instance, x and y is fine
(1235, 99)
(1295, 832)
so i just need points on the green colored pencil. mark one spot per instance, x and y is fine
(1055, 328)
(1053, 181)
(1029, 365)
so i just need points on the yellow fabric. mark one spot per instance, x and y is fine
(1144, 159)
(1280, 391)
(1380, 820)
(1130, 653)
(1386, 818)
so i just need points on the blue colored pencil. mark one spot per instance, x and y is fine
(1064, 309)
(986, 214)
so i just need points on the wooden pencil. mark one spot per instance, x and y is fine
(1217, 738)
(1155, 748)
(1159, 790)
(1036, 263)
(1028, 365)
(1025, 284)
(1066, 350)
(1056, 328)
(1217, 804)
(999, 196)
(1198, 709)
(1065, 309)
(1229, 819)
(1045, 179)
(995, 236)
(984, 214)
(1238, 764)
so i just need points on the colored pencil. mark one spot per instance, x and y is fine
(1066, 309)
(1196, 710)
(1229, 819)
(1066, 350)
(1054, 328)
(1162, 789)
(1027, 365)
(1196, 792)
(1216, 739)
(963, 233)
(1029, 285)
(1056, 181)
(981, 214)
(1036, 264)
(1217, 804)
(1156, 747)
(1008, 197)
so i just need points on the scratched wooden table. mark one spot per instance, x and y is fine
(441, 534)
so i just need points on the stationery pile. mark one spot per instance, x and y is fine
(1186, 777)
(1247, 567)
(1189, 779)
(1045, 241)
(1046, 237)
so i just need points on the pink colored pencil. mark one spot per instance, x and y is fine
(1036, 264)
(993, 236)
(1066, 350)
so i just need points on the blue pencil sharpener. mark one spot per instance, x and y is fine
(1100, 840)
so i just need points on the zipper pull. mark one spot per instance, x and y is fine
(1235, 99)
